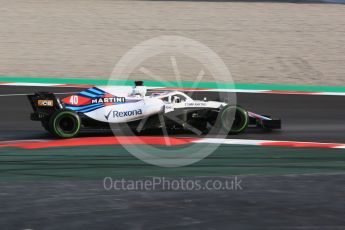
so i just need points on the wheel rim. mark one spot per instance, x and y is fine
(235, 119)
(66, 124)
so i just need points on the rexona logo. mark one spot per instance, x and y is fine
(108, 100)
(124, 113)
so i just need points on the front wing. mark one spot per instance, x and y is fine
(265, 122)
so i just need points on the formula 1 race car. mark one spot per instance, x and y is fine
(100, 107)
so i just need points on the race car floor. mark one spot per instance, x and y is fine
(282, 188)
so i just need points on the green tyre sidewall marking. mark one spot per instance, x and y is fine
(56, 118)
(237, 109)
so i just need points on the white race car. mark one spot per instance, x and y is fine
(100, 107)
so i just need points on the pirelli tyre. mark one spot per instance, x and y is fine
(64, 124)
(234, 119)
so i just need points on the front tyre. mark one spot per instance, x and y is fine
(65, 124)
(234, 119)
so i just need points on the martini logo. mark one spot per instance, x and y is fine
(108, 100)
(124, 113)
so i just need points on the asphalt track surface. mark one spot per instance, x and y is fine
(304, 117)
(266, 202)
(277, 201)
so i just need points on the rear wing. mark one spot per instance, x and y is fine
(43, 105)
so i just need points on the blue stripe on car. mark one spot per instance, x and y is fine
(95, 90)
(101, 90)
(81, 107)
(84, 93)
(91, 109)
(85, 109)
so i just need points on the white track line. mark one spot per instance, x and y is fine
(27, 140)
(270, 143)
(229, 141)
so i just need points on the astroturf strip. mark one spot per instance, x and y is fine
(150, 83)
(96, 162)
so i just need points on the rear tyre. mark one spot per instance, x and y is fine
(65, 124)
(234, 119)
